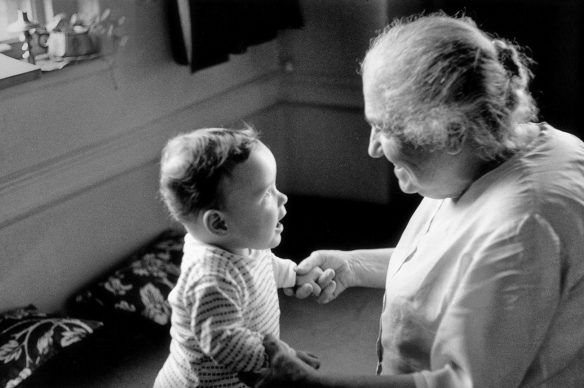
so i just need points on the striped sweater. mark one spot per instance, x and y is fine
(222, 306)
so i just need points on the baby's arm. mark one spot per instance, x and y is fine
(227, 341)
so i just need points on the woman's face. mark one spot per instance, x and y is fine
(436, 174)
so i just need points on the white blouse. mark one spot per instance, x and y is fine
(488, 291)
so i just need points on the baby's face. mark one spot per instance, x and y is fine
(252, 205)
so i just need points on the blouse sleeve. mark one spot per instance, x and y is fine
(218, 325)
(492, 330)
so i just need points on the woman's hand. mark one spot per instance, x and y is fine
(363, 267)
(288, 368)
(337, 261)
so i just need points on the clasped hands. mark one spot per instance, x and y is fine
(323, 274)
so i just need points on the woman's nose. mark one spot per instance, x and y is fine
(374, 149)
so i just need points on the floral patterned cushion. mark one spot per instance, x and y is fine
(29, 338)
(141, 284)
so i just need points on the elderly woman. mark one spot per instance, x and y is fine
(486, 285)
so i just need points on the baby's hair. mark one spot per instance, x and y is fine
(440, 75)
(193, 165)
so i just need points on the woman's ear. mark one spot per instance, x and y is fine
(456, 138)
(214, 222)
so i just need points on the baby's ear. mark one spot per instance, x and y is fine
(214, 222)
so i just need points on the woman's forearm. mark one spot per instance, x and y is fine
(369, 266)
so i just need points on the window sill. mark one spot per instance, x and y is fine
(75, 68)
(14, 72)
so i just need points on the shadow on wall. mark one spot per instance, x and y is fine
(324, 223)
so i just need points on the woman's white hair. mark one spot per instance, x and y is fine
(441, 76)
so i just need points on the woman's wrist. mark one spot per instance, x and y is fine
(368, 267)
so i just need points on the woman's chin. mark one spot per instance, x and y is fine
(405, 183)
(407, 186)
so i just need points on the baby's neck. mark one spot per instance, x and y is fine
(201, 236)
(245, 252)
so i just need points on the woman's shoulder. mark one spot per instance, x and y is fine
(553, 166)
(552, 161)
(553, 148)
(546, 180)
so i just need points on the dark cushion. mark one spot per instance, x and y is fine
(29, 338)
(139, 285)
(122, 354)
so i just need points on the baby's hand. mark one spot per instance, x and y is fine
(311, 278)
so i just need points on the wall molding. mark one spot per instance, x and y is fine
(322, 90)
(33, 189)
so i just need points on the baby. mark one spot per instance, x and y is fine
(220, 184)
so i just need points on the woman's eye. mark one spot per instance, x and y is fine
(386, 131)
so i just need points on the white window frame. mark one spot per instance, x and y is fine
(36, 10)
(40, 11)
